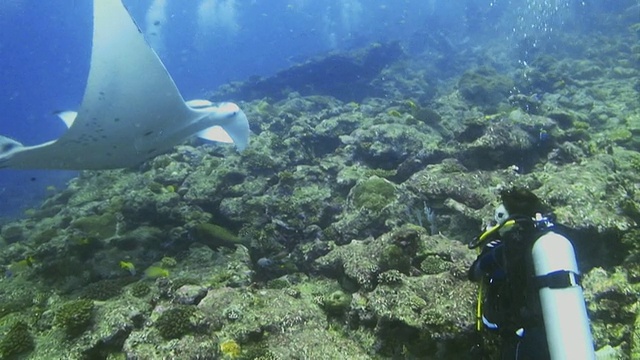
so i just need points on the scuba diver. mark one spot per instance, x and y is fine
(530, 292)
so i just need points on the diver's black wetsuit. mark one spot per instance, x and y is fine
(511, 305)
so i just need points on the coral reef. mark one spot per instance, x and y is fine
(341, 231)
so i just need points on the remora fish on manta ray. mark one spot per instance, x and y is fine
(131, 110)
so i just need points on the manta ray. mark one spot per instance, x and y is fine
(131, 110)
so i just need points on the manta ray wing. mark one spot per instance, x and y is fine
(131, 109)
(130, 101)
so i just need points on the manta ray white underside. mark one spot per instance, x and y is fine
(131, 110)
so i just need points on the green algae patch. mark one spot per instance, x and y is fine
(98, 226)
(140, 289)
(12, 233)
(175, 323)
(484, 86)
(75, 316)
(17, 340)
(44, 236)
(215, 236)
(373, 194)
(105, 289)
(336, 303)
(435, 264)
(10, 306)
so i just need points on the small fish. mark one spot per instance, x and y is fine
(265, 262)
(19, 266)
(155, 272)
(127, 265)
(543, 136)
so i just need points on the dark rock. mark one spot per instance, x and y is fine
(344, 76)
(190, 294)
